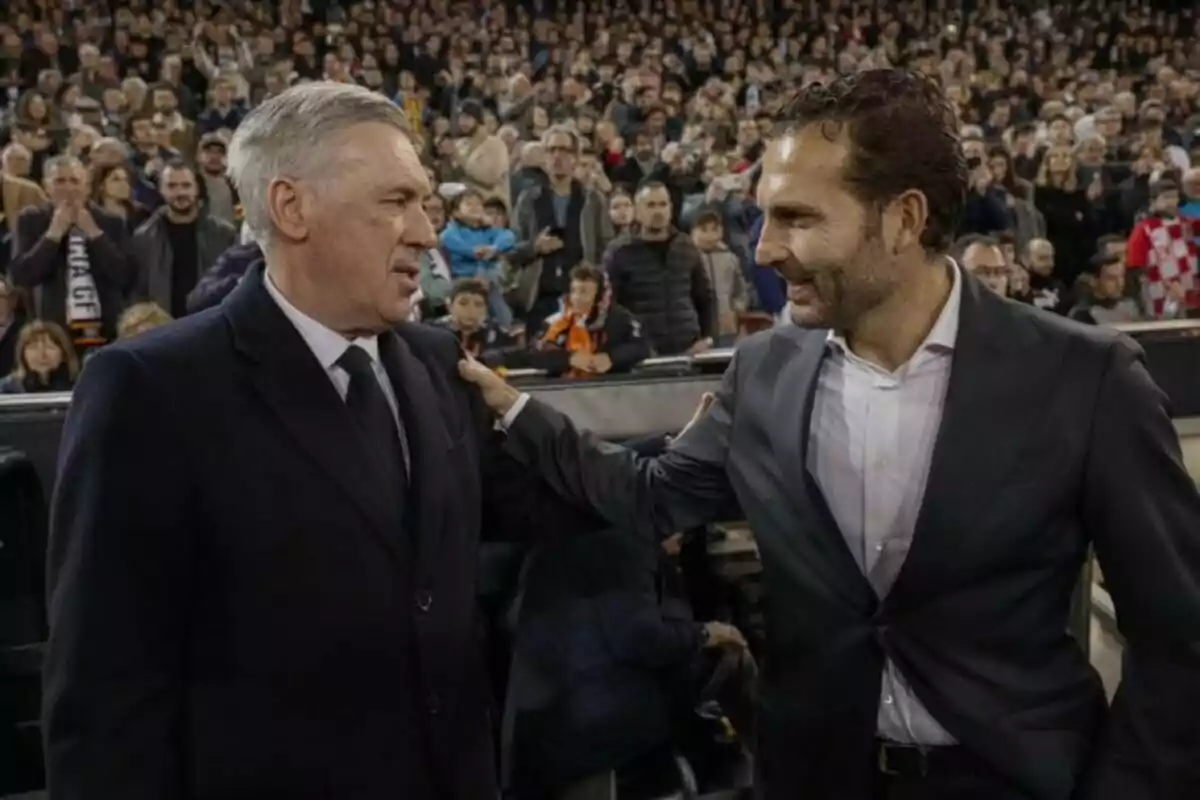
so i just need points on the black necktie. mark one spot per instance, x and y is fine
(369, 405)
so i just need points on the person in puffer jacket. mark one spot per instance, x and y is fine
(223, 276)
(474, 249)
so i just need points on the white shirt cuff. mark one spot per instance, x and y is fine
(506, 422)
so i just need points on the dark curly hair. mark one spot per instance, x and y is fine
(903, 135)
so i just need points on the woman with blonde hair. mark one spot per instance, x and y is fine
(1069, 214)
(46, 361)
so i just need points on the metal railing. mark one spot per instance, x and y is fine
(708, 361)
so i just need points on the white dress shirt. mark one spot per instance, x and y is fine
(870, 447)
(328, 346)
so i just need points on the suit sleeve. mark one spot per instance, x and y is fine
(684, 488)
(118, 566)
(1144, 515)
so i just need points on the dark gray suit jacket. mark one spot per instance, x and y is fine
(1053, 438)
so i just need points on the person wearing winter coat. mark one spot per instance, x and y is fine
(592, 335)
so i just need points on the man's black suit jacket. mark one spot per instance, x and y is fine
(1053, 438)
(41, 265)
(238, 607)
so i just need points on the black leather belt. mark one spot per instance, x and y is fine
(912, 761)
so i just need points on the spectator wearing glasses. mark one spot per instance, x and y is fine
(558, 226)
(982, 257)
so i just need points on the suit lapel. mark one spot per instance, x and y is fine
(800, 355)
(289, 378)
(995, 389)
(421, 408)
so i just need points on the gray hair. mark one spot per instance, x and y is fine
(287, 136)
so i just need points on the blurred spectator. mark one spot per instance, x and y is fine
(592, 335)
(224, 115)
(17, 193)
(1067, 208)
(474, 248)
(479, 158)
(724, 275)
(657, 273)
(986, 211)
(139, 318)
(112, 191)
(11, 321)
(435, 277)
(74, 257)
(1162, 248)
(468, 320)
(558, 226)
(1047, 290)
(1105, 303)
(220, 197)
(45, 361)
(1190, 208)
(982, 257)
(179, 243)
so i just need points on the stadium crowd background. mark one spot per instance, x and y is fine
(614, 142)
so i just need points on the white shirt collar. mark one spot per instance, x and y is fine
(326, 344)
(944, 332)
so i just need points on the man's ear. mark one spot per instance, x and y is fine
(908, 214)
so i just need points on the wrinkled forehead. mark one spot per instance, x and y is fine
(382, 159)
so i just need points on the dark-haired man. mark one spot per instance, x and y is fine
(925, 466)
(179, 243)
(658, 274)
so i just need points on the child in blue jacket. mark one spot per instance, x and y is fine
(474, 249)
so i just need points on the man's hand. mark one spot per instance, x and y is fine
(700, 346)
(499, 396)
(601, 363)
(485, 253)
(722, 635)
(61, 222)
(87, 223)
(581, 361)
(546, 243)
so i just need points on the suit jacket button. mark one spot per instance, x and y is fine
(433, 705)
(424, 600)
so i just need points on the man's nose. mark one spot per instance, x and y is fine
(418, 230)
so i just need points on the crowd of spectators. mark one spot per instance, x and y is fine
(595, 163)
